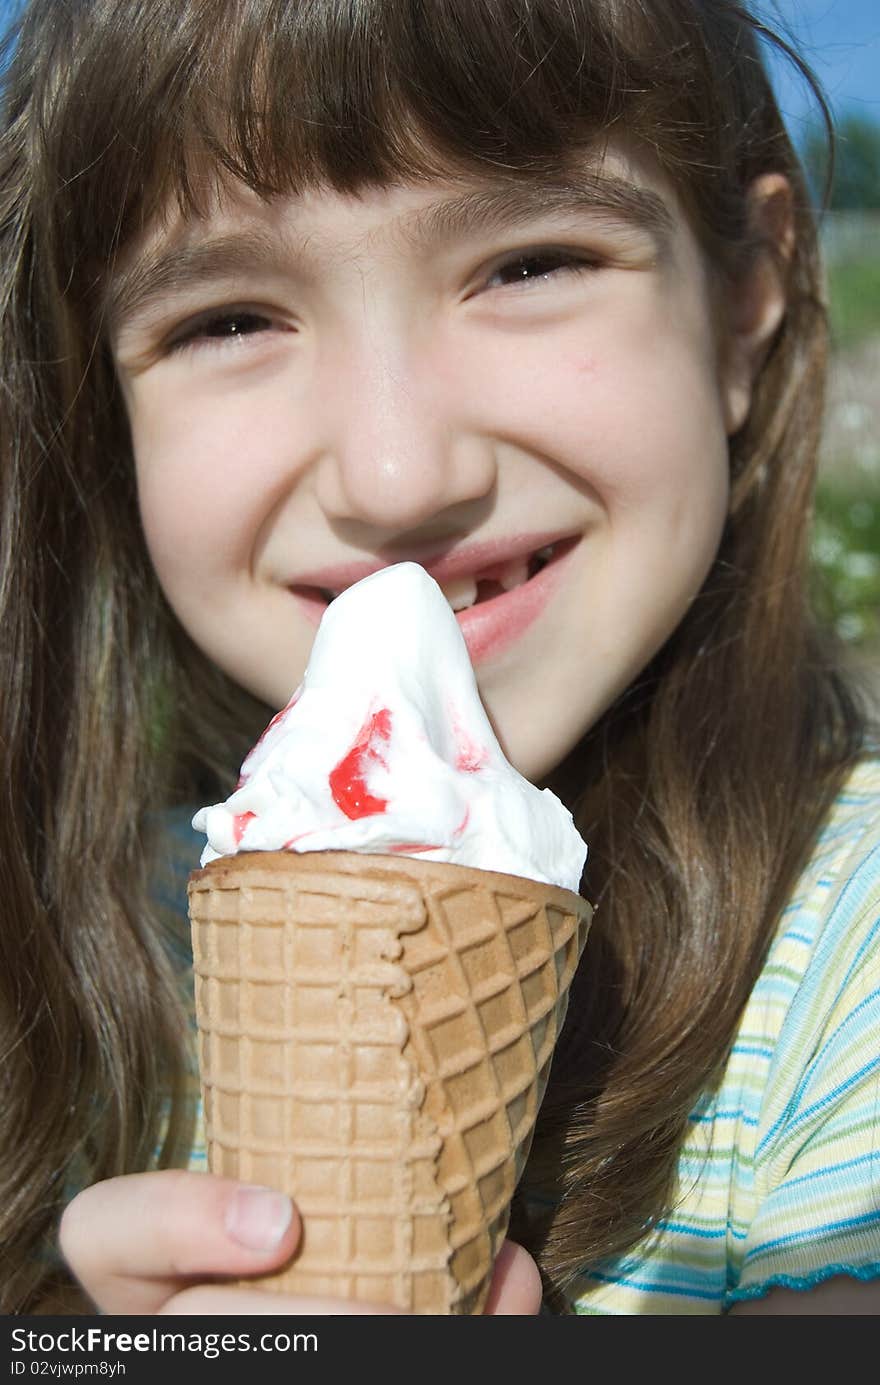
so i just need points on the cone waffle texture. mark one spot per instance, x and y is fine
(375, 1037)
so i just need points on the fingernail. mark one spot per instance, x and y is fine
(258, 1217)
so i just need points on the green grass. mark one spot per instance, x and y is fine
(854, 289)
(846, 536)
(846, 559)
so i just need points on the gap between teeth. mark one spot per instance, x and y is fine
(461, 592)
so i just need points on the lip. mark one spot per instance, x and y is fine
(488, 627)
(492, 625)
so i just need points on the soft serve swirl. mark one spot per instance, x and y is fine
(386, 747)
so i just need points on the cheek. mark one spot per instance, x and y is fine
(633, 428)
(194, 467)
(638, 430)
(657, 463)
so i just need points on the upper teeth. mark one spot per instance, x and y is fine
(461, 592)
(514, 574)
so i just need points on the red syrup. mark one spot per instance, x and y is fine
(239, 823)
(279, 716)
(348, 783)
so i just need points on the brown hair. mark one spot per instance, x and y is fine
(685, 789)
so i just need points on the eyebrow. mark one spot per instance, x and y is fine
(513, 203)
(171, 269)
(138, 287)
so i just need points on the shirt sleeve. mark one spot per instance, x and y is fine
(817, 1158)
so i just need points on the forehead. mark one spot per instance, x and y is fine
(613, 180)
(236, 228)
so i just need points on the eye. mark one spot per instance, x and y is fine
(538, 266)
(221, 328)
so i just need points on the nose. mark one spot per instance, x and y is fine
(398, 448)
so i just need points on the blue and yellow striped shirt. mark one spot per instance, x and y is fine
(779, 1176)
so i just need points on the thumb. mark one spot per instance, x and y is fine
(134, 1241)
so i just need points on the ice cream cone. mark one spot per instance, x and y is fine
(375, 1037)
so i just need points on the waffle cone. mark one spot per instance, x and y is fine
(375, 1037)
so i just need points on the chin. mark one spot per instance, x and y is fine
(534, 754)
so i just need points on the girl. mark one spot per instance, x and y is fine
(294, 291)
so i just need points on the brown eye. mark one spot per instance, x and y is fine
(536, 266)
(216, 329)
(233, 325)
(225, 326)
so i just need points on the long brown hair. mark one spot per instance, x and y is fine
(700, 791)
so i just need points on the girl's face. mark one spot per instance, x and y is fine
(517, 385)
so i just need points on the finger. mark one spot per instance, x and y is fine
(134, 1241)
(211, 1300)
(516, 1284)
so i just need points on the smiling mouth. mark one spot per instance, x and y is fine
(476, 588)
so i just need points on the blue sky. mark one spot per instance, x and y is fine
(839, 38)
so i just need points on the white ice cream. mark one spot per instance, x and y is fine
(386, 747)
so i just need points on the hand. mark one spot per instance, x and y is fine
(152, 1243)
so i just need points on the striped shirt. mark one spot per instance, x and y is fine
(779, 1175)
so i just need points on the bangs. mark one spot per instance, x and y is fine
(353, 92)
(147, 101)
(285, 93)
